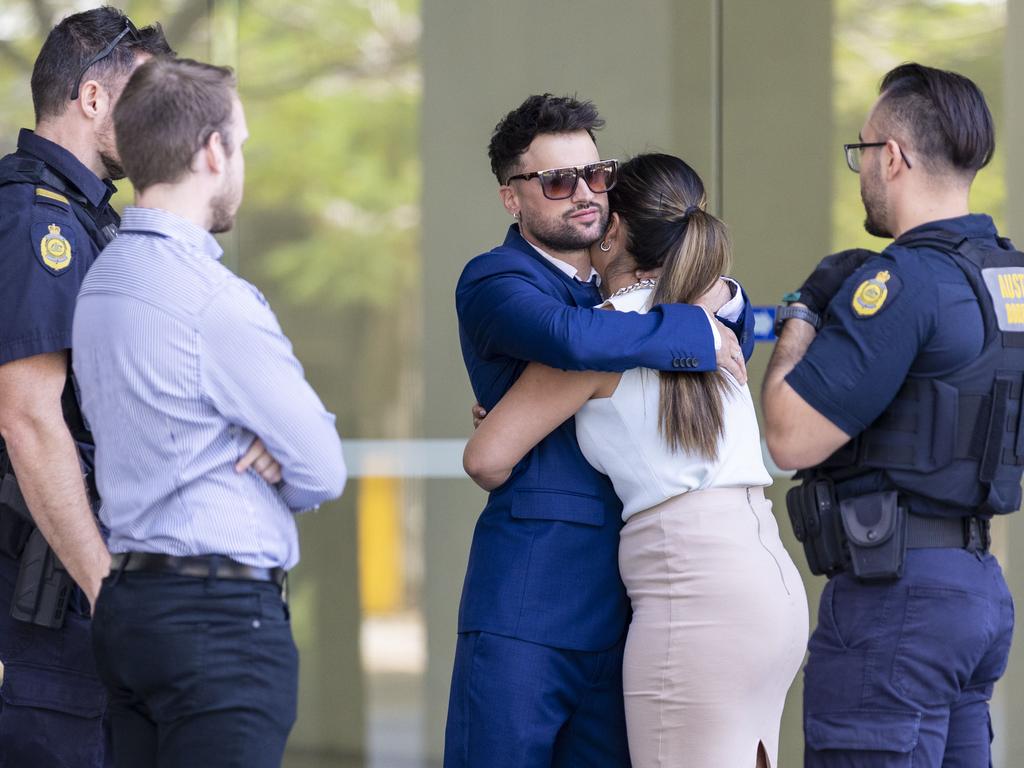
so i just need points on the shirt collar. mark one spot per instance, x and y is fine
(634, 301)
(172, 226)
(96, 190)
(971, 225)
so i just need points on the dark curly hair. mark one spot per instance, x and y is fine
(538, 114)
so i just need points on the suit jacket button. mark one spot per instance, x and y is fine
(675, 362)
(694, 362)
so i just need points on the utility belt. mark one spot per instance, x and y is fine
(43, 586)
(869, 535)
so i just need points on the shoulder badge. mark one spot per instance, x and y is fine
(870, 295)
(55, 250)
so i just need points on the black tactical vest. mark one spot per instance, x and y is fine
(957, 441)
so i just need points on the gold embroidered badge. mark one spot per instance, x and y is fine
(871, 294)
(55, 250)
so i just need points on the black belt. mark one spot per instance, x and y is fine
(970, 533)
(201, 566)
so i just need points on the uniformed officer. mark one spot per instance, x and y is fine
(55, 216)
(896, 386)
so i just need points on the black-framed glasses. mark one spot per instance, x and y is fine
(560, 183)
(129, 29)
(854, 152)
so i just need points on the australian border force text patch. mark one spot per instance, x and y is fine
(1006, 287)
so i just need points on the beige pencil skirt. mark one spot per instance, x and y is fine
(718, 633)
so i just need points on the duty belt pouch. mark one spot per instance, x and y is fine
(814, 513)
(876, 534)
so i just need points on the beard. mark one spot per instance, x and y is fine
(562, 234)
(222, 212)
(112, 166)
(876, 207)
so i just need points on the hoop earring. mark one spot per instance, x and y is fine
(516, 215)
(605, 246)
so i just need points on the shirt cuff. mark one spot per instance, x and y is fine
(714, 329)
(733, 308)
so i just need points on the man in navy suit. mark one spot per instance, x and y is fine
(538, 663)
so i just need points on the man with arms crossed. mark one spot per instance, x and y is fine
(538, 663)
(181, 364)
(904, 409)
(55, 216)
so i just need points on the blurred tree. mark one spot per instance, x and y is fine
(330, 225)
(873, 36)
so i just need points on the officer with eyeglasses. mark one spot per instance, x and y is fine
(896, 388)
(55, 217)
(537, 681)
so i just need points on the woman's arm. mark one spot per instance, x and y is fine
(540, 400)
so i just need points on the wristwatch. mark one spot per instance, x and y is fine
(787, 311)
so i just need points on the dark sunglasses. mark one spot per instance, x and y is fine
(560, 183)
(129, 29)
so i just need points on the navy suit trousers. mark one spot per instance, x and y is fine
(201, 672)
(516, 704)
(901, 672)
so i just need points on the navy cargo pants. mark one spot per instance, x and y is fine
(52, 703)
(901, 672)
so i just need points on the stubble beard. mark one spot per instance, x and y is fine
(876, 209)
(562, 234)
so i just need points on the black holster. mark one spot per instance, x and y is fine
(814, 512)
(43, 586)
(865, 535)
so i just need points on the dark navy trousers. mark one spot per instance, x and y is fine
(900, 673)
(516, 704)
(201, 672)
(51, 701)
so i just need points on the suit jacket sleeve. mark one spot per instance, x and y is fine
(504, 309)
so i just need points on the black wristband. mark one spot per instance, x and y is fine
(784, 313)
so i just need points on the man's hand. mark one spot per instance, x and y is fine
(729, 355)
(478, 415)
(717, 297)
(824, 282)
(260, 459)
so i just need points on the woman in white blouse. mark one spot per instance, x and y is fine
(719, 621)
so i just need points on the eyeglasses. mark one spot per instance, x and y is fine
(129, 29)
(560, 183)
(854, 152)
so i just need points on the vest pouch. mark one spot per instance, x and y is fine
(876, 535)
(814, 514)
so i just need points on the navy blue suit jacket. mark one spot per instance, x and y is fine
(543, 566)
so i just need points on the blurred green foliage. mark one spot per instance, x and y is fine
(871, 37)
(329, 228)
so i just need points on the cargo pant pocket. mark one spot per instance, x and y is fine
(51, 717)
(856, 738)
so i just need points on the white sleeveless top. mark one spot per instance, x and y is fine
(619, 437)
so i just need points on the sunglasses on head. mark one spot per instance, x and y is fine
(560, 183)
(129, 29)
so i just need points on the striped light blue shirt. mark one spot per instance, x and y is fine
(180, 364)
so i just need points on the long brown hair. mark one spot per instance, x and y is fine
(662, 201)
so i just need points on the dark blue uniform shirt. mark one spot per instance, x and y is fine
(908, 312)
(50, 233)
